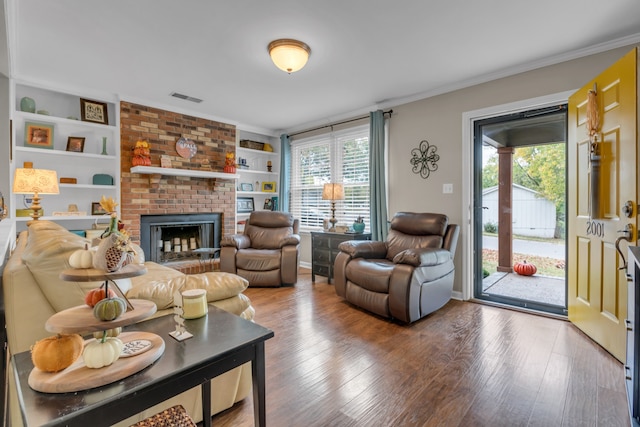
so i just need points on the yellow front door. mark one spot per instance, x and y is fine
(602, 179)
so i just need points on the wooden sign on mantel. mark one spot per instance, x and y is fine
(165, 161)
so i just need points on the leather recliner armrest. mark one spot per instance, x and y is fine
(364, 249)
(291, 240)
(422, 257)
(239, 241)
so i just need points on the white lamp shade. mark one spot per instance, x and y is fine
(289, 55)
(333, 192)
(31, 181)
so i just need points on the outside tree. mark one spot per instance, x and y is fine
(540, 168)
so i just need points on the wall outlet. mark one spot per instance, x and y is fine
(447, 188)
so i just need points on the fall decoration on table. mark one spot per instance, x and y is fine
(524, 268)
(114, 251)
(56, 352)
(114, 332)
(82, 258)
(109, 308)
(96, 295)
(102, 352)
(141, 154)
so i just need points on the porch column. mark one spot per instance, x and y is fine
(505, 209)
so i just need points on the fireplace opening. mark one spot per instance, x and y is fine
(180, 237)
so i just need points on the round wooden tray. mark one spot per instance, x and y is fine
(80, 319)
(93, 275)
(78, 377)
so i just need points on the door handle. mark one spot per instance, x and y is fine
(627, 233)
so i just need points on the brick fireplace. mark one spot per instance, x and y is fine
(160, 194)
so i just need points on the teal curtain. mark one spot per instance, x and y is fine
(285, 172)
(377, 183)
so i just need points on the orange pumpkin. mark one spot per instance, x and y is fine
(57, 352)
(95, 295)
(524, 268)
(137, 161)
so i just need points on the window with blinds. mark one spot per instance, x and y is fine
(340, 157)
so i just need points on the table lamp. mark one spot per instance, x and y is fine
(333, 192)
(36, 182)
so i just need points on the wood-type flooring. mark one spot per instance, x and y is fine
(467, 364)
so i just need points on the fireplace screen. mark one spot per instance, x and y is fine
(179, 237)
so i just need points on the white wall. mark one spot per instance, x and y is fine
(5, 142)
(438, 120)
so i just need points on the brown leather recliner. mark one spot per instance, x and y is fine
(266, 254)
(406, 277)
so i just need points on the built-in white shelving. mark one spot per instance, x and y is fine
(60, 111)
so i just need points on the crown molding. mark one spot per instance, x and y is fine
(506, 72)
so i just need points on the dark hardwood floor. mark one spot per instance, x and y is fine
(331, 364)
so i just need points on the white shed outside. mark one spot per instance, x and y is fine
(533, 215)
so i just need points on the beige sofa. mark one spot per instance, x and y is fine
(33, 292)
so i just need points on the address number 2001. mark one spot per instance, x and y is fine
(595, 228)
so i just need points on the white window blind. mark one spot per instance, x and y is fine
(340, 157)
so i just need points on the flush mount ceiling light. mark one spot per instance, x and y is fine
(289, 55)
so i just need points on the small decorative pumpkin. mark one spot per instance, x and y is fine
(110, 333)
(109, 309)
(57, 352)
(524, 268)
(82, 258)
(102, 352)
(95, 295)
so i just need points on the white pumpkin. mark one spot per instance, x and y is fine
(100, 353)
(82, 258)
(110, 333)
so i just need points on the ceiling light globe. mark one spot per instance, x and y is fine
(289, 55)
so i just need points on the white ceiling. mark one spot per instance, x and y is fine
(366, 54)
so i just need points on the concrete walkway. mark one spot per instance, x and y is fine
(543, 289)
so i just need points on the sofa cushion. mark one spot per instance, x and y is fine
(46, 254)
(160, 287)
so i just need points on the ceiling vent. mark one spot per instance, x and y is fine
(186, 97)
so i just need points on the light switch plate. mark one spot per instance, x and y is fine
(447, 188)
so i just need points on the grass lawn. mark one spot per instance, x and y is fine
(546, 266)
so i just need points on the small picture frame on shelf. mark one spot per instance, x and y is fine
(96, 209)
(268, 205)
(38, 135)
(94, 111)
(75, 144)
(246, 186)
(245, 205)
(269, 187)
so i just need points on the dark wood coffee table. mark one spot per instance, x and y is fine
(221, 341)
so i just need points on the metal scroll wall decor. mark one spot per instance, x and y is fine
(424, 159)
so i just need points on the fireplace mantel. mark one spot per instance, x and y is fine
(151, 170)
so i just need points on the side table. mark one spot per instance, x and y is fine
(324, 249)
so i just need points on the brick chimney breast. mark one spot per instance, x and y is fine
(153, 195)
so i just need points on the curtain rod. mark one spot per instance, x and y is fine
(336, 124)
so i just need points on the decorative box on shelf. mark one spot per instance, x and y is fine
(254, 145)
